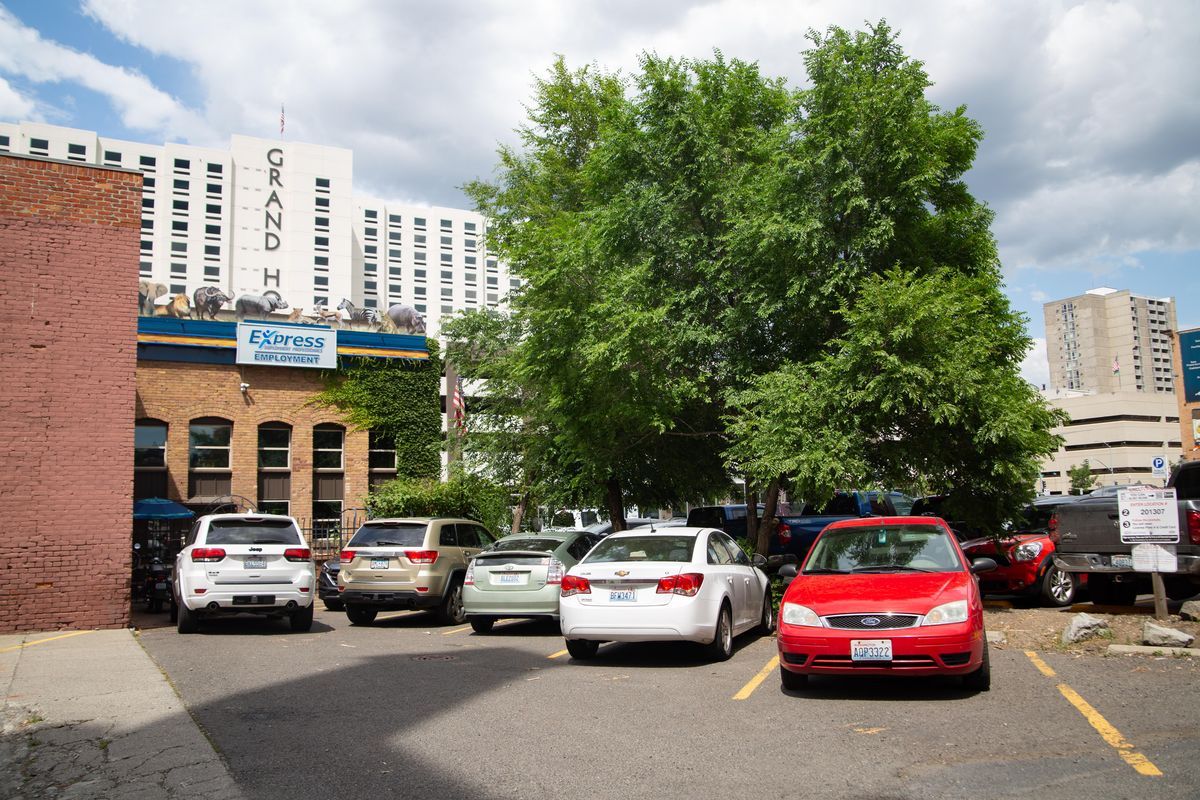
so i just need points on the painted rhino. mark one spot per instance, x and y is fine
(406, 318)
(208, 300)
(258, 306)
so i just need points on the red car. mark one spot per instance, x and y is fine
(884, 596)
(1025, 558)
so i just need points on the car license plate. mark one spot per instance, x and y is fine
(255, 563)
(509, 578)
(379, 563)
(870, 649)
(622, 596)
(1125, 562)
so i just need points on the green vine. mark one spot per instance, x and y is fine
(398, 397)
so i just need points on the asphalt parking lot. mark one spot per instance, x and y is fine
(408, 708)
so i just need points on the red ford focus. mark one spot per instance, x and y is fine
(884, 596)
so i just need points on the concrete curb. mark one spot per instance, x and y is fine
(1151, 650)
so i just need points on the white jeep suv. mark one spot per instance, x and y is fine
(243, 563)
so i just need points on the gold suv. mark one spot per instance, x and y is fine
(413, 563)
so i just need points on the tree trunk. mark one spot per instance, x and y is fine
(519, 512)
(751, 500)
(766, 527)
(616, 504)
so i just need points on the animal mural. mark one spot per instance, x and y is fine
(208, 300)
(258, 306)
(147, 293)
(179, 307)
(406, 318)
(356, 314)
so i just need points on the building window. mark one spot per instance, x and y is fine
(212, 271)
(370, 249)
(371, 232)
(320, 280)
(147, 224)
(381, 457)
(216, 168)
(178, 268)
(182, 163)
(179, 225)
(39, 144)
(181, 184)
(212, 250)
(322, 183)
(212, 209)
(447, 241)
(209, 457)
(179, 205)
(447, 258)
(147, 202)
(370, 213)
(146, 161)
(212, 230)
(396, 254)
(274, 464)
(178, 247)
(469, 227)
(419, 223)
(447, 224)
(178, 288)
(321, 241)
(150, 444)
(112, 155)
(323, 203)
(321, 222)
(321, 261)
(147, 182)
(327, 446)
(214, 188)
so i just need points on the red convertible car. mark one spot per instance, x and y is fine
(884, 596)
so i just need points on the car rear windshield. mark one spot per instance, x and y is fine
(252, 531)
(643, 548)
(884, 548)
(549, 545)
(389, 534)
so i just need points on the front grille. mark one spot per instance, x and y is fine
(854, 622)
(898, 662)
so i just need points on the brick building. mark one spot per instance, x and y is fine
(69, 237)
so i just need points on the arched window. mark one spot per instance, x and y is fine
(328, 460)
(149, 459)
(210, 457)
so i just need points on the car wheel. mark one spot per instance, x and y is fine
(981, 679)
(360, 616)
(1105, 591)
(766, 622)
(451, 610)
(334, 605)
(187, 621)
(792, 681)
(302, 619)
(482, 624)
(1058, 587)
(722, 644)
(582, 649)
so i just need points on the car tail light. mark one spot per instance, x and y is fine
(421, 556)
(784, 533)
(346, 555)
(554, 572)
(573, 584)
(686, 584)
(1193, 525)
(298, 554)
(208, 554)
(1052, 529)
(469, 578)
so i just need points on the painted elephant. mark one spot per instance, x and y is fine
(258, 306)
(406, 318)
(147, 293)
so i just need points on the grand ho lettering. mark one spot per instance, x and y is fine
(271, 239)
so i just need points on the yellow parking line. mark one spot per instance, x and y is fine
(457, 630)
(43, 641)
(397, 615)
(749, 688)
(559, 654)
(1107, 732)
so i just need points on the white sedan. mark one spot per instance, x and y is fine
(677, 584)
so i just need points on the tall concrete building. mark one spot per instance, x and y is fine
(284, 216)
(1107, 340)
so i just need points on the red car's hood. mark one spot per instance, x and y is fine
(986, 546)
(903, 592)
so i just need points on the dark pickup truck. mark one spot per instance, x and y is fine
(1087, 538)
(795, 533)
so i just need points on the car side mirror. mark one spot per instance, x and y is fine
(759, 560)
(983, 565)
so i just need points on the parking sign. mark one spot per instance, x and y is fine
(1158, 467)
(1148, 516)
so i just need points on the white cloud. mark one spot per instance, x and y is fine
(1036, 366)
(14, 105)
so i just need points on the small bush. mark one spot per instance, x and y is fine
(463, 495)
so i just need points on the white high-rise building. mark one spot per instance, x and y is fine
(283, 216)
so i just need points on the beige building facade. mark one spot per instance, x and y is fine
(1111, 341)
(1119, 434)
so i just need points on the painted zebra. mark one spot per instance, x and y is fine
(357, 314)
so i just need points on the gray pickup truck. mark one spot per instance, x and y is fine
(1088, 540)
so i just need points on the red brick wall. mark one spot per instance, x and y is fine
(69, 237)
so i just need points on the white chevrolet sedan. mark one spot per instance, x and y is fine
(244, 563)
(677, 584)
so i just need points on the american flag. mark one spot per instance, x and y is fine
(459, 407)
(281, 119)
(1116, 368)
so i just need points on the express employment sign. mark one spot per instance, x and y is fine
(282, 344)
(1189, 349)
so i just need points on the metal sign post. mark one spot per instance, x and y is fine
(1150, 522)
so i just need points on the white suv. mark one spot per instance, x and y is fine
(243, 563)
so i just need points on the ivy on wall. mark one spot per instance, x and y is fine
(397, 397)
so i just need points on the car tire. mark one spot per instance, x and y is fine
(582, 649)
(360, 616)
(187, 621)
(482, 624)
(451, 611)
(792, 681)
(302, 619)
(981, 679)
(721, 647)
(334, 605)
(1058, 587)
(1105, 591)
(766, 621)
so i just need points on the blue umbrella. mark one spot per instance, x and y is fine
(158, 508)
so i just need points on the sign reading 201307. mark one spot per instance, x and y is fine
(285, 345)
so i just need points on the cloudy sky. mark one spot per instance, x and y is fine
(1091, 109)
